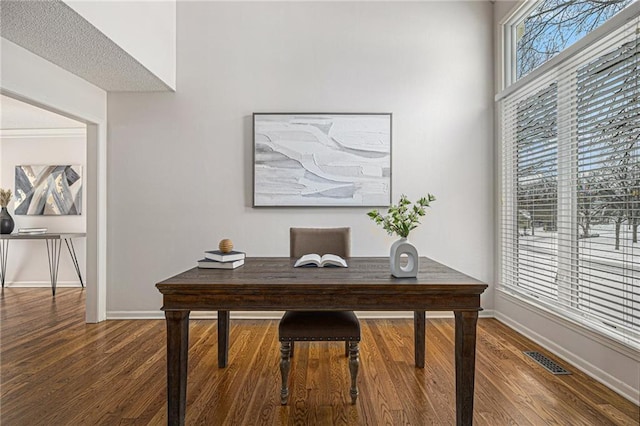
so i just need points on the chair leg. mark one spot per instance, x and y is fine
(285, 365)
(346, 348)
(292, 346)
(354, 362)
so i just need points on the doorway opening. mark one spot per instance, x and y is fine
(32, 134)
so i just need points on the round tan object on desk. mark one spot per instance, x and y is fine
(225, 245)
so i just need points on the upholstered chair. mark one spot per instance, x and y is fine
(319, 325)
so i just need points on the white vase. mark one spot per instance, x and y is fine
(398, 248)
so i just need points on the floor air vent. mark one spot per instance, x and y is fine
(546, 362)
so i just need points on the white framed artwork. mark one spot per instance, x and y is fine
(322, 159)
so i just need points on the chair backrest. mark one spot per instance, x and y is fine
(320, 241)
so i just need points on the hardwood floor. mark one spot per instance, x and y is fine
(57, 370)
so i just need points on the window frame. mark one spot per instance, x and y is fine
(548, 71)
(509, 41)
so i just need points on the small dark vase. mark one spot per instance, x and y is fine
(6, 222)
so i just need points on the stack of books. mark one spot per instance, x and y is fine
(32, 231)
(216, 259)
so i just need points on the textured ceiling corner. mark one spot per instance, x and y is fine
(55, 32)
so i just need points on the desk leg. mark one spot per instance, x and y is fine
(419, 326)
(4, 249)
(177, 361)
(53, 253)
(465, 365)
(223, 338)
(74, 258)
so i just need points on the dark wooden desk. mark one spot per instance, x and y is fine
(272, 284)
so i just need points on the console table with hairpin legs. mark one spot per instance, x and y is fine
(54, 246)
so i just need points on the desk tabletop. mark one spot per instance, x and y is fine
(280, 270)
(273, 284)
(45, 236)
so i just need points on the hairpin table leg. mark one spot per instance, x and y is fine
(4, 249)
(53, 252)
(74, 258)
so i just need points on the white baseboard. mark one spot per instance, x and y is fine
(589, 369)
(271, 315)
(41, 284)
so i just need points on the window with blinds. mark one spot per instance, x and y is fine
(571, 186)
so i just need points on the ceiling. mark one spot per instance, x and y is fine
(54, 31)
(16, 115)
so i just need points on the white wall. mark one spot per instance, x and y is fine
(613, 364)
(27, 262)
(32, 79)
(146, 30)
(180, 164)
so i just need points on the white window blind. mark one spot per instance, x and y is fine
(571, 187)
(536, 191)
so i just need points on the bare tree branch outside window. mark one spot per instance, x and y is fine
(555, 25)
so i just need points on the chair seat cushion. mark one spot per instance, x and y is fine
(319, 325)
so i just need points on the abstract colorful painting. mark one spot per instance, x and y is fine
(322, 159)
(48, 190)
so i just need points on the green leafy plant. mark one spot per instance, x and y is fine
(5, 196)
(403, 217)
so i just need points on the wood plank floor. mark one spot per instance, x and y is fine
(57, 370)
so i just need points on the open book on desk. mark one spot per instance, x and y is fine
(313, 259)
